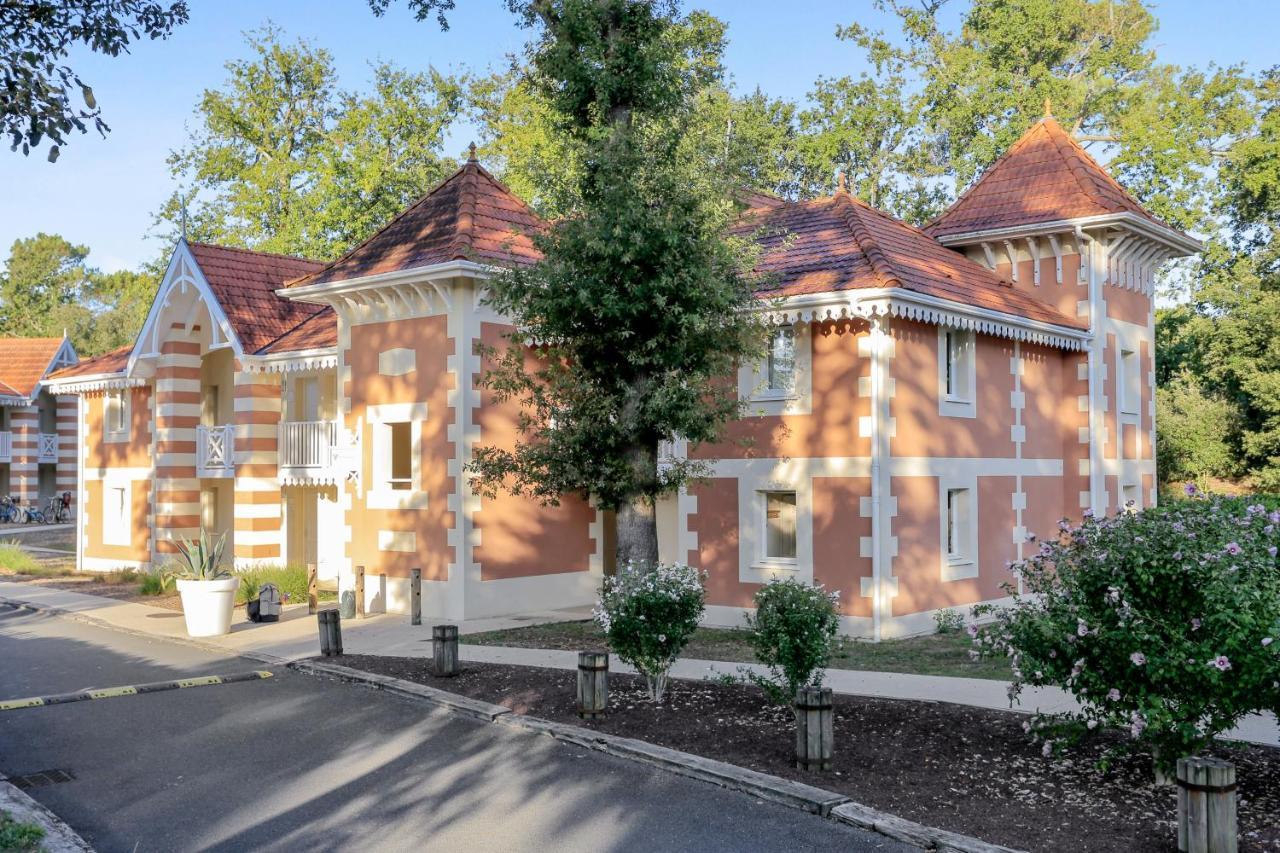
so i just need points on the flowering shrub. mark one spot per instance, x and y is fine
(791, 633)
(1161, 622)
(648, 613)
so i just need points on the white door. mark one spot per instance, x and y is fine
(330, 525)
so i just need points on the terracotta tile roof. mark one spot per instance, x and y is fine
(114, 361)
(840, 243)
(471, 216)
(318, 330)
(245, 283)
(1045, 176)
(23, 362)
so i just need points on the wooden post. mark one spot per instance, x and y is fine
(313, 599)
(814, 728)
(359, 592)
(330, 632)
(593, 685)
(444, 642)
(1206, 806)
(415, 597)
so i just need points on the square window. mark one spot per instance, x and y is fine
(780, 369)
(957, 518)
(780, 525)
(400, 447)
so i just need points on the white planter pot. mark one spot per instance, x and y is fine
(207, 605)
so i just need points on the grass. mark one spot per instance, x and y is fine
(291, 580)
(18, 837)
(13, 558)
(935, 654)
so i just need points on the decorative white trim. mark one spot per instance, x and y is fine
(377, 495)
(761, 401)
(115, 531)
(1154, 230)
(295, 361)
(397, 361)
(91, 384)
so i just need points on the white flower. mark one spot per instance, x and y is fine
(1138, 658)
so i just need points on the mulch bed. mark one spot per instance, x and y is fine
(965, 769)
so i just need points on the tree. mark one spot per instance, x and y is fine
(284, 161)
(1195, 430)
(36, 35)
(640, 307)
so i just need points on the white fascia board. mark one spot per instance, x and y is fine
(94, 382)
(320, 293)
(316, 358)
(1139, 224)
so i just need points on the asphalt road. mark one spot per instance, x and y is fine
(300, 763)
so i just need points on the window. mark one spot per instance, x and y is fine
(115, 415)
(400, 448)
(780, 525)
(780, 366)
(117, 520)
(1130, 383)
(956, 373)
(957, 524)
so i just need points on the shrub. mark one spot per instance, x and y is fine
(948, 621)
(249, 587)
(791, 633)
(18, 837)
(155, 583)
(13, 558)
(290, 580)
(1163, 622)
(648, 613)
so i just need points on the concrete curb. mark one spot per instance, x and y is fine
(797, 795)
(58, 837)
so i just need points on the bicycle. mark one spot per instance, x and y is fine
(8, 510)
(57, 509)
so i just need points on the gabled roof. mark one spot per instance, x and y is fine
(106, 364)
(1044, 177)
(471, 216)
(316, 332)
(24, 362)
(840, 243)
(245, 282)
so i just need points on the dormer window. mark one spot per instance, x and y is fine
(780, 366)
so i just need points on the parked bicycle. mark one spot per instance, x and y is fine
(58, 509)
(8, 510)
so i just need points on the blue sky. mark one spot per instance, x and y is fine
(102, 193)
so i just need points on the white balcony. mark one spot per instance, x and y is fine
(215, 451)
(307, 451)
(6, 446)
(47, 448)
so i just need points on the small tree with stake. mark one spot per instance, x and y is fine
(640, 308)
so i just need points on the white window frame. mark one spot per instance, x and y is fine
(117, 530)
(122, 404)
(958, 516)
(957, 362)
(379, 495)
(755, 481)
(753, 379)
(1129, 382)
(765, 558)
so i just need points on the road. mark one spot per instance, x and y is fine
(300, 763)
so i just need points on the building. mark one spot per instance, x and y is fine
(37, 427)
(931, 398)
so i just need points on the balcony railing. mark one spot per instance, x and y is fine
(307, 451)
(215, 451)
(47, 448)
(6, 446)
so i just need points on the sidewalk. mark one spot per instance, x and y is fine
(295, 637)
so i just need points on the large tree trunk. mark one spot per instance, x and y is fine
(637, 532)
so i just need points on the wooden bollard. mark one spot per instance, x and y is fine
(330, 632)
(359, 592)
(415, 597)
(815, 721)
(313, 583)
(1206, 806)
(444, 642)
(593, 685)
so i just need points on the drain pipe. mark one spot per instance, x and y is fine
(877, 429)
(1095, 325)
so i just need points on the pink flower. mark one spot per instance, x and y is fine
(1272, 550)
(1233, 548)
(1138, 658)
(1190, 490)
(973, 630)
(1113, 695)
(1221, 663)
(1195, 624)
(1266, 641)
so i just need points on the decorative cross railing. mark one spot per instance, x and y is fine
(47, 449)
(307, 444)
(215, 448)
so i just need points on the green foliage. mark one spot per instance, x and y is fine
(38, 36)
(17, 560)
(201, 558)
(282, 160)
(290, 580)
(948, 621)
(156, 583)
(792, 630)
(648, 613)
(1161, 622)
(1192, 441)
(248, 588)
(16, 837)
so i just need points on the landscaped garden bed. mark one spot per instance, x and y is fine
(935, 654)
(969, 770)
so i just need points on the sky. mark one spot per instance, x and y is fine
(103, 193)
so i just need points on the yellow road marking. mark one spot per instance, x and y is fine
(21, 703)
(130, 690)
(109, 692)
(199, 682)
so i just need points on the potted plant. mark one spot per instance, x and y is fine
(208, 590)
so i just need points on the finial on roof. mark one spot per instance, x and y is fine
(842, 183)
(1048, 108)
(471, 153)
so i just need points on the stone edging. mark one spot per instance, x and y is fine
(58, 837)
(828, 804)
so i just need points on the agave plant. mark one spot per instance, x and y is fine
(202, 558)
